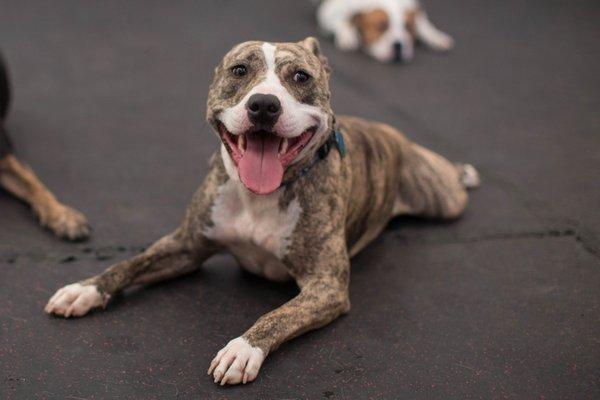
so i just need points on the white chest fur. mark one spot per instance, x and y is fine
(254, 227)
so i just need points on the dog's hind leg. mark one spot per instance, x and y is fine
(169, 257)
(20, 180)
(432, 186)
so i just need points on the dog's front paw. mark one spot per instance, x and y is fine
(442, 42)
(75, 300)
(238, 362)
(65, 222)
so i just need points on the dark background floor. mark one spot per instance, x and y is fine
(505, 303)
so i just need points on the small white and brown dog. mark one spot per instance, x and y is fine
(384, 29)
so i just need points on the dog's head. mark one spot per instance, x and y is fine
(386, 33)
(269, 104)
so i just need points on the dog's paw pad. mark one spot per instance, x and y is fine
(238, 362)
(75, 300)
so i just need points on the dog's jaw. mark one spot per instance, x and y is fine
(287, 149)
(261, 157)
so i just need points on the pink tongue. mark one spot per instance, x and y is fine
(259, 168)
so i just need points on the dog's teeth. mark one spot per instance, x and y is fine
(241, 143)
(284, 146)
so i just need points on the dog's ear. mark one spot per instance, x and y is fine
(357, 20)
(312, 44)
(411, 26)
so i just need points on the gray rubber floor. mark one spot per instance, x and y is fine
(505, 303)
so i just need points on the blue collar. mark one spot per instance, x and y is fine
(335, 139)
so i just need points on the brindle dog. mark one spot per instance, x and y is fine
(286, 197)
(19, 179)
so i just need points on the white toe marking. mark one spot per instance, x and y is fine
(470, 177)
(238, 362)
(75, 300)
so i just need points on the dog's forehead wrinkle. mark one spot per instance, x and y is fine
(244, 47)
(294, 50)
(248, 51)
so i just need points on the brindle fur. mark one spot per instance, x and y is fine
(346, 202)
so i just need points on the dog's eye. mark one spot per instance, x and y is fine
(239, 70)
(301, 77)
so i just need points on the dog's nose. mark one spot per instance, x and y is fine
(263, 109)
(397, 51)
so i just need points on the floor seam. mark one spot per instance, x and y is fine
(551, 233)
(105, 253)
(497, 236)
(100, 253)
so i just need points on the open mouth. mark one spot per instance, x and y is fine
(261, 156)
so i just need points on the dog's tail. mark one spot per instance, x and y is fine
(5, 145)
(469, 176)
(4, 90)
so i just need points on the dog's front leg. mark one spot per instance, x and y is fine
(20, 180)
(171, 256)
(318, 304)
(323, 297)
(176, 254)
(430, 35)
